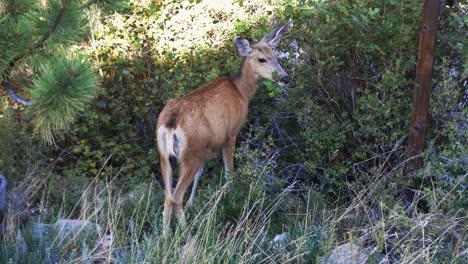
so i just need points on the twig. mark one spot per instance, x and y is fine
(15, 96)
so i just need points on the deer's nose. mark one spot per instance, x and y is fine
(285, 79)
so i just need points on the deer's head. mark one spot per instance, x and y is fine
(261, 56)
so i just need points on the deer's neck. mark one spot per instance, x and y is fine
(246, 81)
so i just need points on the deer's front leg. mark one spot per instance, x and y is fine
(191, 201)
(228, 158)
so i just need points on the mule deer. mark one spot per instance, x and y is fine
(195, 127)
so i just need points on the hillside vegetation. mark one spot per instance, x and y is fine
(318, 164)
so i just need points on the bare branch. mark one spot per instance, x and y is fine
(15, 96)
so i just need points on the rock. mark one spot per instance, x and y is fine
(76, 227)
(20, 244)
(3, 183)
(2, 202)
(72, 238)
(42, 232)
(346, 254)
(280, 240)
(281, 237)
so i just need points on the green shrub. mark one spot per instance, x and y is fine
(337, 134)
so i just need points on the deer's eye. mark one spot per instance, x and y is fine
(262, 60)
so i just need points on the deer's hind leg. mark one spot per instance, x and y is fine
(166, 171)
(188, 170)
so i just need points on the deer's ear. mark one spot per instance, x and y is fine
(274, 36)
(242, 46)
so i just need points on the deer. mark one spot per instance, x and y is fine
(195, 127)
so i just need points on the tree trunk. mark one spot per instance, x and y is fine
(422, 87)
(421, 95)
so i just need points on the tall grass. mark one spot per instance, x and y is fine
(130, 228)
(132, 223)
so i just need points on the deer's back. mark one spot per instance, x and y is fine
(208, 115)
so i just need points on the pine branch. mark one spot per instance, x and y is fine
(39, 44)
(7, 71)
(15, 96)
(66, 85)
(60, 94)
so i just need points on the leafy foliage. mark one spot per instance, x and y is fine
(321, 160)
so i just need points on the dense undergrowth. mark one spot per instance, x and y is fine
(320, 162)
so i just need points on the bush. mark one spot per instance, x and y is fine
(320, 162)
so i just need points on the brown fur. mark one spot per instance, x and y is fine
(195, 127)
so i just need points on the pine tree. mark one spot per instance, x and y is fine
(36, 59)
